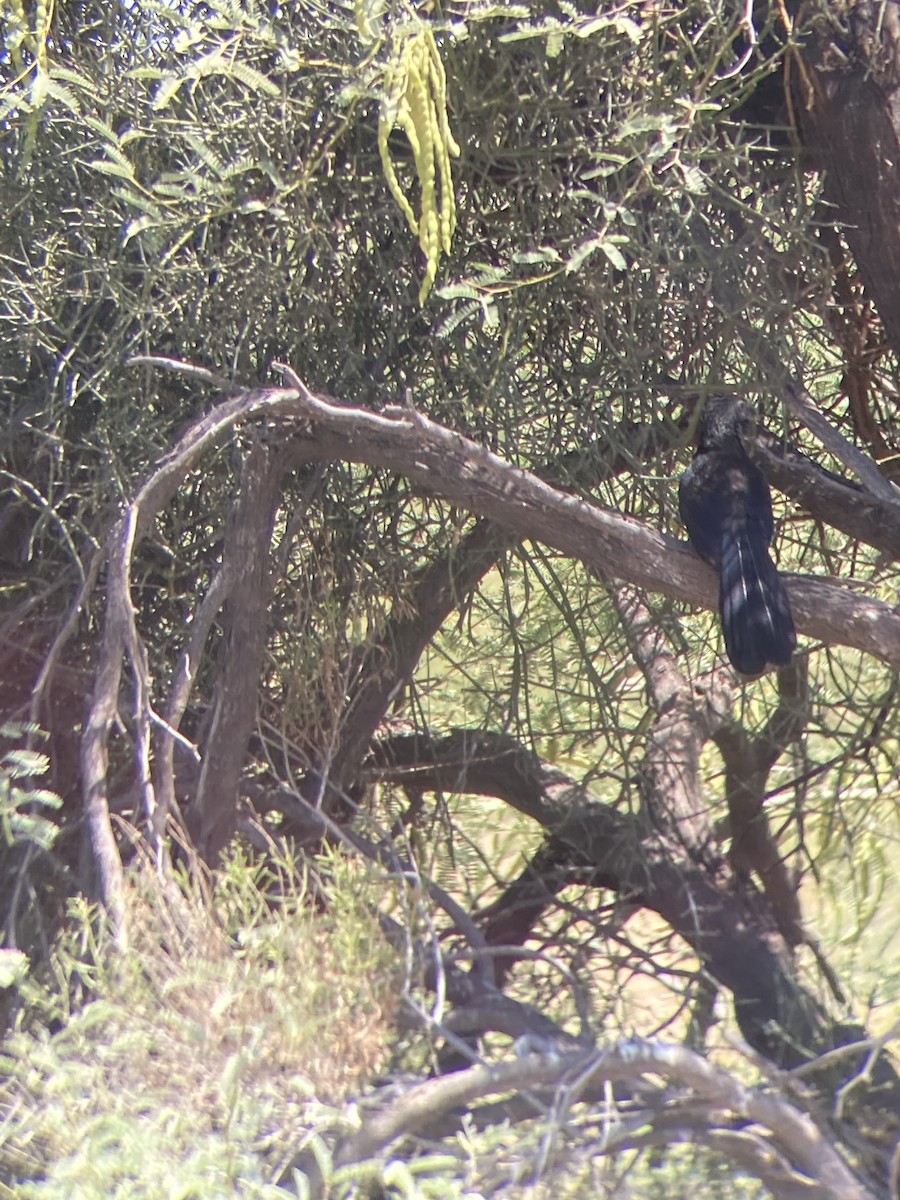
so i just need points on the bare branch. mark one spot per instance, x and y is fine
(805, 407)
(179, 693)
(670, 773)
(119, 638)
(449, 465)
(747, 765)
(247, 543)
(464, 473)
(736, 938)
(580, 1075)
(837, 502)
(180, 367)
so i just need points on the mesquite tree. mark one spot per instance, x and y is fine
(351, 356)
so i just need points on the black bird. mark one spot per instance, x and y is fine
(726, 508)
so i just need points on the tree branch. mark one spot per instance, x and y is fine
(730, 929)
(671, 787)
(248, 537)
(833, 501)
(747, 765)
(580, 1076)
(451, 466)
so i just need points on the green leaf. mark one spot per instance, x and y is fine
(13, 966)
(643, 123)
(138, 200)
(119, 170)
(457, 318)
(630, 28)
(615, 255)
(526, 32)
(101, 128)
(605, 244)
(507, 11)
(255, 80)
(543, 254)
(25, 762)
(137, 226)
(56, 91)
(167, 90)
(694, 180)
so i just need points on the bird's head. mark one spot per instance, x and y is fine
(725, 423)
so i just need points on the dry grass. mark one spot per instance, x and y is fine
(239, 1017)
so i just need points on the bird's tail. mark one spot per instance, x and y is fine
(753, 604)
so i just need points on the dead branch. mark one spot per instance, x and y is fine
(833, 501)
(119, 638)
(578, 1076)
(121, 642)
